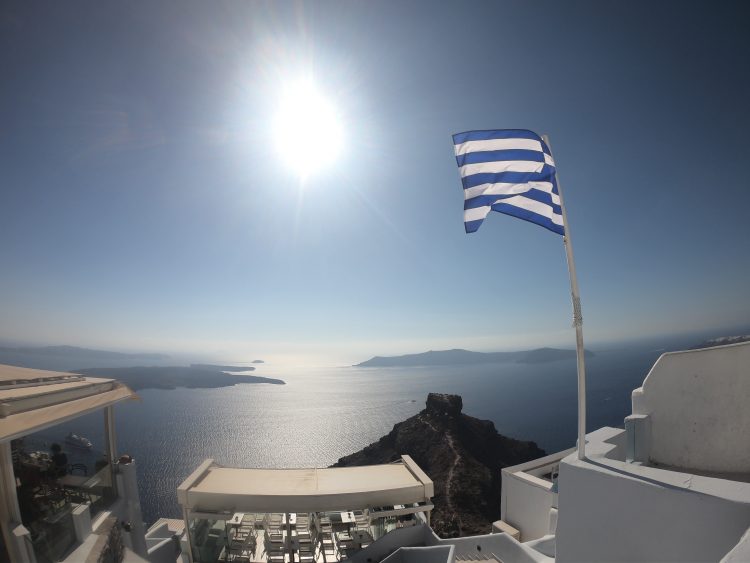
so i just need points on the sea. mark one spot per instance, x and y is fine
(324, 413)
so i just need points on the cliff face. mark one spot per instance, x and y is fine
(462, 455)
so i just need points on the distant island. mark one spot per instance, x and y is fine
(258, 362)
(464, 357)
(463, 456)
(136, 370)
(222, 368)
(172, 377)
(721, 341)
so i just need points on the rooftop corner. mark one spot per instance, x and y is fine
(32, 399)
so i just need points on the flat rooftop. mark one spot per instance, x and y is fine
(212, 488)
(11, 376)
(33, 399)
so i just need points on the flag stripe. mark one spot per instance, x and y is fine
(497, 145)
(506, 189)
(509, 154)
(510, 171)
(473, 180)
(535, 195)
(530, 216)
(477, 213)
(555, 215)
(498, 167)
(531, 210)
(484, 135)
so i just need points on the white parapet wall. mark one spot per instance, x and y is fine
(501, 547)
(527, 499)
(433, 554)
(693, 404)
(611, 510)
(741, 552)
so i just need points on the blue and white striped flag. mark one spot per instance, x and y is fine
(510, 171)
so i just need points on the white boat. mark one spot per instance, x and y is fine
(78, 441)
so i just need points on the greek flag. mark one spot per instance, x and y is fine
(510, 171)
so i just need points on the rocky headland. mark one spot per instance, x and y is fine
(463, 456)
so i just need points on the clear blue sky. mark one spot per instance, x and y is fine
(144, 207)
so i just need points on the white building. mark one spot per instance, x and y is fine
(674, 485)
(51, 510)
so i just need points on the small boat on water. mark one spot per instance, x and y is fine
(78, 441)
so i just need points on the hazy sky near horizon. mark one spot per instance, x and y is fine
(143, 205)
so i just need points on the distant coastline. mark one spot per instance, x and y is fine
(222, 368)
(136, 370)
(722, 341)
(466, 357)
(172, 377)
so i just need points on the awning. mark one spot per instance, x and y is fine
(216, 489)
(40, 399)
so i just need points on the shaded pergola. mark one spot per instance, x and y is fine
(214, 492)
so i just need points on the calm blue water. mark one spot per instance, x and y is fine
(325, 413)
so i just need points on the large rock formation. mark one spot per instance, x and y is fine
(462, 455)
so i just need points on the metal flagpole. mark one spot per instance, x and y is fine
(577, 318)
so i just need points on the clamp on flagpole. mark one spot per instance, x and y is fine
(577, 318)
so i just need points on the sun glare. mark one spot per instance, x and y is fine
(307, 129)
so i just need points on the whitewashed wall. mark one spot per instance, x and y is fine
(697, 402)
(741, 551)
(526, 504)
(502, 546)
(434, 554)
(614, 511)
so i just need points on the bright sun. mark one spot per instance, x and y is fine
(307, 129)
